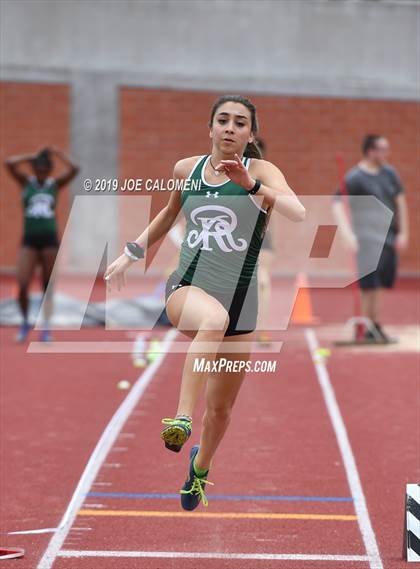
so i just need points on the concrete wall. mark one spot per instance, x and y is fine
(323, 47)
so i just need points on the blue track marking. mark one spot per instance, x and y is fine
(157, 496)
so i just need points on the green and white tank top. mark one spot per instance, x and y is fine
(225, 227)
(39, 201)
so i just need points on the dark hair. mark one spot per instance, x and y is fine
(43, 159)
(261, 145)
(251, 149)
(369, 142)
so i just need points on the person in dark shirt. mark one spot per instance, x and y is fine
(373, 176)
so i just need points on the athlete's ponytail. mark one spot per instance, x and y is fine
(251, 149)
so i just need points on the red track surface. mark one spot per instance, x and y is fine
(54, 409)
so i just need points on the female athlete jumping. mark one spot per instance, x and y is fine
(212, 296)
(40, 240)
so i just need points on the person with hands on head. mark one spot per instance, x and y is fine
(40, 240)
(212, 297)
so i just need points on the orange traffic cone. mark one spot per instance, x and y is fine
(302, 310)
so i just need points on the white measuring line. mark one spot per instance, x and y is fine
(32, 531)
(186, 555)
(352, 474)
(99, 455)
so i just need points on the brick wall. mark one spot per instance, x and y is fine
(303, 135)
(31, 116)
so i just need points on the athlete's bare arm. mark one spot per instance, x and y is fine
(14, 165)
(165, 219)
(71, 171)
(274, 189)
(159, 227)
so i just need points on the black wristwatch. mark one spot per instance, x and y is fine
(134, 251)
(256, 187)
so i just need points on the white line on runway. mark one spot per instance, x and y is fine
(100, 453)
(32, 531)
(185, 555)
(349, 461)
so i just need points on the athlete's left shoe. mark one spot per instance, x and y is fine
(177, 432)
(192, 492)
(23, 333)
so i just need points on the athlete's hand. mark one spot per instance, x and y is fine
(115, 273)
(236, 171)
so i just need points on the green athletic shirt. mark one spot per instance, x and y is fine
(39, 206)
(224, 232)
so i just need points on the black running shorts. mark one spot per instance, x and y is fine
(41, 241)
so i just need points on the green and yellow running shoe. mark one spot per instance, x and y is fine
(177, 432)
(192, 492)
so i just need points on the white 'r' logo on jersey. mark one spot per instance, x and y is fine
(217, 222)
(40, 205)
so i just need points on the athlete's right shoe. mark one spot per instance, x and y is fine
(192, 492)
(177, 432)
(23, 332)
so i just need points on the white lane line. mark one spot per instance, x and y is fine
(81, 529)
(185, 555)
(32, 531)
(100, 453)
(349, 461)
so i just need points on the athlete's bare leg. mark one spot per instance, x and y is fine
(47, 259)
(27, 261)
(221, 393)
(203, 318)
